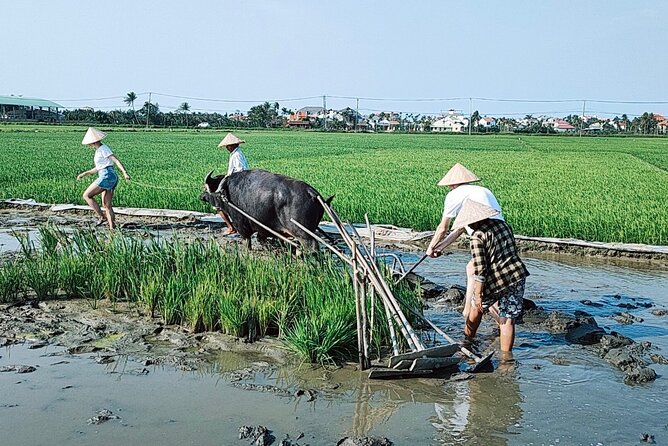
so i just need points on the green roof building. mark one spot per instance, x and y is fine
(19, 108)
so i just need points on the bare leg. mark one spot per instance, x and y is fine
(89, 196)
(507, 327)
(469, 288)
(228, 222)
(107, 196)
(472, 321)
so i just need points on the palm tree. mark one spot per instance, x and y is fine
(130, 99)
(184, 108)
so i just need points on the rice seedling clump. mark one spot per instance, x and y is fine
(307, 303)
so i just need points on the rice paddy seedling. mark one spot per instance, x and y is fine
(12, 281)
(233, 312)
(74, 274)
(41, 273)
(150, 288)
(308, 302)
(200, 307)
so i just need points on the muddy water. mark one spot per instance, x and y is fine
(551, 393)
(558, 393)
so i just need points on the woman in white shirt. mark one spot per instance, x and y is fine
(458, 180)
(107, 180)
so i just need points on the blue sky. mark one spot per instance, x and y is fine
(248, 51)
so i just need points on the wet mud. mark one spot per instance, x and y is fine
(592, 346)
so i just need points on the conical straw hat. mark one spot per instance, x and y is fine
(229, 140)
(93, 135)
(458, 174)
(472, 212)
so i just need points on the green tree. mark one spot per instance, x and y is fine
(130, 99)
(153, 112)
(184, 108)
(264, 115)
(475, 119)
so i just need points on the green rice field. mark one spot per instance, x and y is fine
(604, 189)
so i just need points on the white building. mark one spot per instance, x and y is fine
(453, 122)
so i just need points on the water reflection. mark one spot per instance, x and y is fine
(482, 410)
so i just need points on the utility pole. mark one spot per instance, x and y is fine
(470, 115)
(148, 109)
(324, 111)
(357, 113)
(582, 121)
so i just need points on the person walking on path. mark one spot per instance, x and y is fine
(236, 163)
(459, 180)
(107, 180)
(499, 275)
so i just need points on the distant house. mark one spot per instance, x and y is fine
(203, 125)
(561, 126)
(487, 122)
(594, 128)
(662, 126)
(453, 122)
(382, 125)
(305, 117)
(19, 108)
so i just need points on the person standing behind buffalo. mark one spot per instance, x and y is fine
(237, 163)
(458, 179)
(499, 275)
(107, 180)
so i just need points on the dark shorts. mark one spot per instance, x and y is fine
(107, 178)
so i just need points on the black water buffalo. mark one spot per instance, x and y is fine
(270, 198)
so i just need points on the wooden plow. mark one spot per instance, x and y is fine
(370, 286)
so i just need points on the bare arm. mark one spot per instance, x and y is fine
(120, 166)
(438, 243)
(86, 173)
(477, 293)
(440, 233)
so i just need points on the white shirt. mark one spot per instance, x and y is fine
(101, 157)
(237, 162)
(455, 199)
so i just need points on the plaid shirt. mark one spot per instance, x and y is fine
(495, 259)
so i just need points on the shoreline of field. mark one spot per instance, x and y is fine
(404, 238)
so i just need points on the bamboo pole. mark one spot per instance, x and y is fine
(378, 282)
(374, 280)
(365, 331)
(358, 315)
(392, 299)
(393, 335)
(372, 291)
(321, 240)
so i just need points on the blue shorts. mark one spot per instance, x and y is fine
(107, 178)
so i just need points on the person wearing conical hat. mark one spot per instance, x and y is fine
(499, 275)
(107, 180)
(237, 163)
(458, 179)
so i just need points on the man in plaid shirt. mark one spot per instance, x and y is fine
(498, 272)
